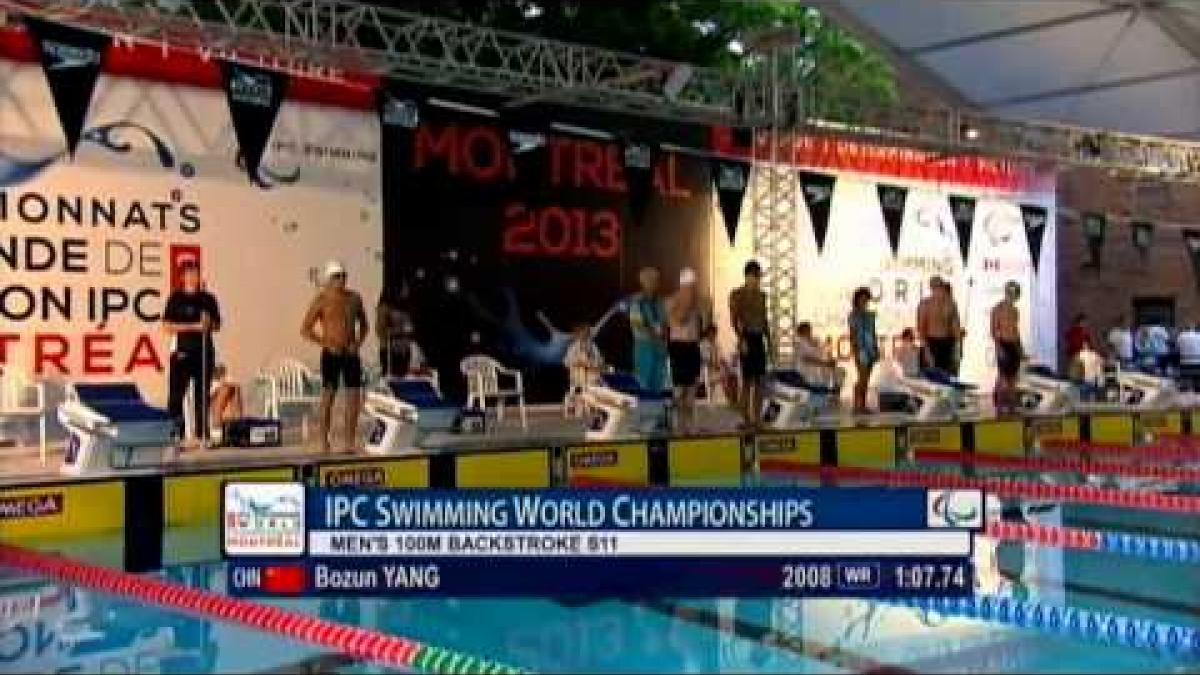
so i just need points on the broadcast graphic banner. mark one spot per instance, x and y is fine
(90, 248)
(282, 538)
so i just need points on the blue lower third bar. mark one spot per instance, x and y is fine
(606, 577)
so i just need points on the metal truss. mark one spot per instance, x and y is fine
(775, 189)
(331, 38)
(328, 38)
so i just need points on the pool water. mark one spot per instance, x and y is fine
(75, 630)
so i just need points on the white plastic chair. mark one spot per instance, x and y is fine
(484, 376)
(291, 383)
(22, 398)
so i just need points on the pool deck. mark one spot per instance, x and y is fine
(22, 465)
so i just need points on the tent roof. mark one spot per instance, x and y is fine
(1131, 66)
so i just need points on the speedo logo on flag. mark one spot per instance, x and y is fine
(251, 88)
(731, 178)
(63, 56)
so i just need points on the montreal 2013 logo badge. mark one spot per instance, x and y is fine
(263, 519)
(961, 509)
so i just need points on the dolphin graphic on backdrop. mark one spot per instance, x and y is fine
(521, 340)
(112, 137)
(15, 170)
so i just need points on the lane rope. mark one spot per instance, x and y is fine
(359, 643)
(1092, 626)
(1164, 450)
(1003, 487)
(1134, 545)
(1061, 465)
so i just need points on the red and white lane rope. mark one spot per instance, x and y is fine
(353, 641)
(1167, 549)
(1083, 494)
(1165, 450)
(1056, 464)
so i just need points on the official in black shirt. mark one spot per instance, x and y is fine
(191, 317)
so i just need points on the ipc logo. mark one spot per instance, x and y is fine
(961, 509)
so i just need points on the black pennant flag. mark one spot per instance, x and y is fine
(817, 189)
(1034, 219)
(1191, 239)
(71, 60)
(730, 177)
(254, 97)
(891, 200)
(962, 210)
(528, 149)
(638, 160)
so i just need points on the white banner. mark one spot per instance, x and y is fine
(86, 246)
(857, 253)
(620, 543)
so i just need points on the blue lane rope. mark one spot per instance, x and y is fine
(1152, 548)
(1073, 622)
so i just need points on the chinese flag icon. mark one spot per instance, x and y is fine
(283, 579)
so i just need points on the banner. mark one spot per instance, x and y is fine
(1143, 235)
(71, 61)
(962, 210)
(1191, 240)
(1094, 226)
(639, 159)
(817, 189)
(731, 178)
(1034, 218)
(891, 200)
(499, 260)
(91, 249)
(858, 252)
(254, 96)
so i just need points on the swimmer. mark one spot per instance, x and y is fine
(1006, 332)
(343, 321)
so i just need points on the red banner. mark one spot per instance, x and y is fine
(831, 153)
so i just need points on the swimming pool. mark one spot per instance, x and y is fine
(69, 629)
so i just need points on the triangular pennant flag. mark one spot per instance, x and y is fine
(638, 160)
(254, 97)
(1191, 240)
(71, 60)
(962, 210)
(891, 200)
(1143, 235)
(1034, 219)
(398, 111)
(730, 177)
(817, 189)
(529, 152)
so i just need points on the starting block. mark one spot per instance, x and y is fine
(793, 402)
(109, 426)
(619, 407)
(402, 411)
(1146, 391)
(1041, 391)
(932, 396)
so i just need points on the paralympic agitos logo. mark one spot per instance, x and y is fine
(954, 508)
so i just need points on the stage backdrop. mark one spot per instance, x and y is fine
(506, 232)
(87, 244)
(891, 236)
(506, 239)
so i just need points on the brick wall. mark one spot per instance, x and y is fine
(1107, 292)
